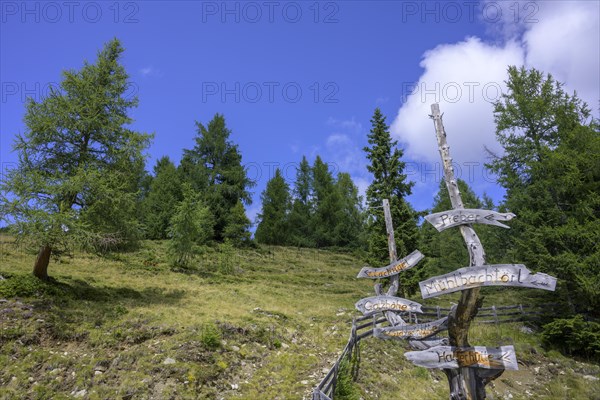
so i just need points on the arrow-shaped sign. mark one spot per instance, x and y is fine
(417, 331)
(428, 343)
(371, 305)
(447, 219)
(486, 275)
(394, 268)
(455, 357)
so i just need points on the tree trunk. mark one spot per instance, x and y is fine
(40, 268)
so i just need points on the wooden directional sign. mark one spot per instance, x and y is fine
(394, 268)
(455, 357)
(428, 343)
(416, 331)
(462, 216)
(486, 275)
(371, 305)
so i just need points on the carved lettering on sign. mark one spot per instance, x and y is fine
(371, 305)
(486, 275)
(455, 357)
(394, 268)
(447, 219)
(417, 331)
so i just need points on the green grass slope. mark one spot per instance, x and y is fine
(261, 323)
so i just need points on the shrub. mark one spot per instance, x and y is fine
(210, 336)
(344, 388)
(574, 336)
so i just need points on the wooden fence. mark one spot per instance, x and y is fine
(362, 327)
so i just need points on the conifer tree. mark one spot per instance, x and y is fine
(274, 224)
(300, 220)
(79, 168)
(190, 226)
(237, 226)
(348, 231)
(214, 166)
(326, 204)
(163, 196)
(551, 171)
(389, 182)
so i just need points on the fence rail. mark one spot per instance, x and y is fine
(362, 327)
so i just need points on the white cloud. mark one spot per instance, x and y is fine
(464, 78)
(561, 38)
(150, 71)
(345, 124)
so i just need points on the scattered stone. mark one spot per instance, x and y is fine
(285, 345)
(591, 378)
(304, 382)
(526, 330)
(80, 393)
(101, 366)
(3, 300)
(324, 370)
(55, 371)
(97, 373)
(169, 360)
(235, 348)
(235, 386)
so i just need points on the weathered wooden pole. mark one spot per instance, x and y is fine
(465, 383)
(392, 317)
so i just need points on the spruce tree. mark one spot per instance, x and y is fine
(79, 164)
(163, 195)
(327, 204)
(389, 182)
(274, 225)
(348, 231)
(214, 166)
(237, 226)
(301, 215)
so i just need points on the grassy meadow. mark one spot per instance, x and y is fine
(263, 323)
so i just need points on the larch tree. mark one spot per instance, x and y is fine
(79, 165)
(550, 168)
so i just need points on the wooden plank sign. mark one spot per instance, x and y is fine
(447, 219)
(455, 357)
(416, 331)
(486, 275)
(394, 268)
(428, 343)
(371, 305)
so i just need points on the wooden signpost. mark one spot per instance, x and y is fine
(454, 357)
(468, 368)
(394, 268)
(486, 275)
(371, 305)
(447, 219)
(416, 331)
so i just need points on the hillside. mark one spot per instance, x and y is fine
(262, 323)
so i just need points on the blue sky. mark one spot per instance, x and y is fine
(303, 78)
